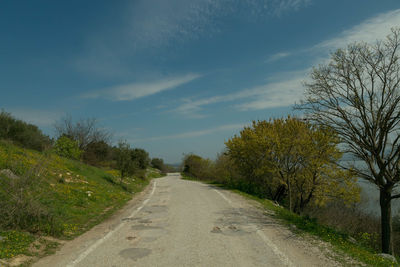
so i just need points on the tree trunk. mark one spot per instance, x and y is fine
(279, 193)
(386, 220)
(290, 195)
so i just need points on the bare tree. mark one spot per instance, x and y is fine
(358, 95)
(84, 131)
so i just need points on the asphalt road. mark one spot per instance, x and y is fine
(184, 223)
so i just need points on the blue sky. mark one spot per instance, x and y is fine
(173, 76)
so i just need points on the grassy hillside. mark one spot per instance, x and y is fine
(54, 196)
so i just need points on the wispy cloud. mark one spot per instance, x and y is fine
(36, 116)
(151, 25)
(133, 91)
(191, 134)
(273, 94)
(375, 28)
(277, 94)
(288, 89)
(277, 56)
(158, 22)
(285, 5)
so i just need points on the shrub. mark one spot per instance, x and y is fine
(158, 164)
(124, 162)
(196, 166)
(141, 157)
(84, 131)
(65, 147)
(21, 209)
(96, 153)
(22, 133)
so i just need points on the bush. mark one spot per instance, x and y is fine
(350, 220)
(124, 162)
(65, 147)
(158, 164)
(96, 153)
(22, 133)
(141, 157)
(196, 166)
(21, 209)
(84, 131)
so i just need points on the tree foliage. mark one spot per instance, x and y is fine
(124, 161)
(22, 133)
(96, 153)
(141, 157)
(289, 157)
(158, 164)
(357, 94)
(66, 147)
(83, 131)
(130, 161)
(196, 166)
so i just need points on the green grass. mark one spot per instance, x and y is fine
(78, 196)
(339, 241)
(154, 173)
(14, 243)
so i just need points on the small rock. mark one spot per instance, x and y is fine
(60, 175)
(388, 257)
(68, 173)
(293, 227)
(8, 173)
(1, 238)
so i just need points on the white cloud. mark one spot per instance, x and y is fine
(285, 5)
(273, 94)
(192, 133)
(288, 89)
(277, 56)
(278, 94)
(153, 24)
(157, 22)
(138, 90)
(35, 116)
(375, 28)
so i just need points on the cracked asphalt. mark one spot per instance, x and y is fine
(184, 223)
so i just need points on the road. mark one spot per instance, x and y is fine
(184, 223)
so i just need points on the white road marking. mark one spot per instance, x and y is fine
(90, 249)
(224, 197)
(285, 260)
(275, 249)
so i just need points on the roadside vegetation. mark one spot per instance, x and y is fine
(295, 166)
(49, 192)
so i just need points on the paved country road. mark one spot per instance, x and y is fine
(184, 223)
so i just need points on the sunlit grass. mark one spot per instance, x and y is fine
(77, 195)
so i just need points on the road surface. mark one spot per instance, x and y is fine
(184, 223)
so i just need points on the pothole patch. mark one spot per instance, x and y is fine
(134, 253)
(216, 230)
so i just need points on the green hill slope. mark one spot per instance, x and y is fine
(42, 194)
